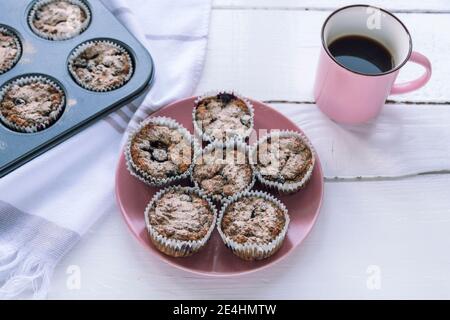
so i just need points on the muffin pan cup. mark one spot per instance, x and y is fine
(40, 3)
(8, 31)
(50, 58)
(283, 188)
(206, 137)
(241, 146)
(84, 46)
(29, 80)
(250, 251)
(143, 175)
(173, 247)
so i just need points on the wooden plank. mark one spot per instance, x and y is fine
(398, 5)
(403, 140)
(397, 228)
(272, 55)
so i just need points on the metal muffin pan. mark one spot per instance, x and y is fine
(50, 58)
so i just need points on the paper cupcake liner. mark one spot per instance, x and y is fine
(9, 32)
(23, 80)
(249, 251)
(283, 187)
(218, 145)
(40, 3)
(145, 176)
(173, 247)
(204, 136)
(82, 47)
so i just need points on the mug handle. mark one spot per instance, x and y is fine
(418, 83)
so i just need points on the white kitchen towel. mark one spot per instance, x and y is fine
(48, 204)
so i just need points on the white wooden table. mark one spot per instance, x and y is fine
(384, 228)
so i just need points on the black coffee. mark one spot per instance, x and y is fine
(361, 54)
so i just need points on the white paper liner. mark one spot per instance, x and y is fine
(205, 137)
(145, 176)
(39, 3)
(5, 30)
(173, 247)
(284, 187)
(23, 80)
(249, 251)
(218, 145)
(78, 50)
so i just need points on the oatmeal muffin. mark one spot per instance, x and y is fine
(223, 170)
(253, 225)
(223, 116)
(160, 151)
(180, 220)
(101, 66)
(10, 49)
(284, 160)
(59, 19)
(31, 104)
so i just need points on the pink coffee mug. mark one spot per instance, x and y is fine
(347, 96)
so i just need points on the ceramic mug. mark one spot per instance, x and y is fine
(347, 96)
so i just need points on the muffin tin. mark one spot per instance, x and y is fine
(49, 58)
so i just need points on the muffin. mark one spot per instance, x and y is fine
(59, 19)
(160, 151)
(223, 170)
(31, 103)
(180, 220)
(253, 225)
(101, 65)
(284, 160)
(223, 116)
(10, 49)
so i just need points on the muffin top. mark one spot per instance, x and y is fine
(102, 66)
(222, 172)
(60, 19)
(181, 215)
(31, 104)
(223, 115)
(284, 159)
(160, 151)
(9, 49)
(253, 220)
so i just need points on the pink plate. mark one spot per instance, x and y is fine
(215, 259)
